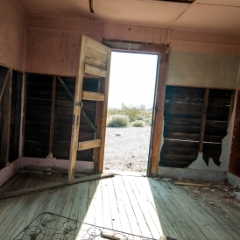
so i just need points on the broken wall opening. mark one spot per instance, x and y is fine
(183, 117)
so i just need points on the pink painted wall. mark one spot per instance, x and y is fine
(53, 42)
(12, 34)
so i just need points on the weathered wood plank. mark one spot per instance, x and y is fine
(183, 228)
(17, 126)
(6, 122)
(52, 122)
(96, 57)
(158, 114)
(77, 111)
(93, 96)
(181, 136)
(178, 157)
(3, 80)
(98, 120)
(99, 162)
(203, 119)
(89, 144)
(95, 71)
(66, 88)
(54, 185)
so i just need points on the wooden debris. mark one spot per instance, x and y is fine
(109, 236)
(192, 184)
(38, 169)
(117, 237)
(50, 170)
(65, 171)
(53, 185)
(167, 238)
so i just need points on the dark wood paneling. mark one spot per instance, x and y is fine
(38, 114)
(217, 123)
(63, 119)
(234, 166)
(15, 115)
(183, 112)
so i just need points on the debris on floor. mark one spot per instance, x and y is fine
(50, 170)
(211, 193)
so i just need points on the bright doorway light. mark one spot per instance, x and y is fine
(131, 96)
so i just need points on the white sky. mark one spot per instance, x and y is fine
(132, 79)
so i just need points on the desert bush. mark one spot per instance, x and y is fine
(139, 117)
(132, 113)
(138, 123)
(118, 121)
(114, 112)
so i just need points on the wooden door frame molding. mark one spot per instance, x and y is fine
(159, 96)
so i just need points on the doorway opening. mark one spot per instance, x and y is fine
(130, 107)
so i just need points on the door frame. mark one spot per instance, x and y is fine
(156, 139)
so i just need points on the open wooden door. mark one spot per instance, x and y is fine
(94, 59)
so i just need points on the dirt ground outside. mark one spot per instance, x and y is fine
(127, 149)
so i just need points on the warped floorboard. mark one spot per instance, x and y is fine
(135, 205)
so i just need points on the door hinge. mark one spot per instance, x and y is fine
(79, 104)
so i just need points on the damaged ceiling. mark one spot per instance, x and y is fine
(221, 16)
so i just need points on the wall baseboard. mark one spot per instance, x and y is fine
(81, 166)
(206, 175)
(8, 171)
(233, 179)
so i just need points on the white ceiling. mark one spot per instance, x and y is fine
(204, 15)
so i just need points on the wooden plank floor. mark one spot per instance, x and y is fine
(136, 205)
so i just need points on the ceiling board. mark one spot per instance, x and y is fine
(211, 18)
(155, 13)
(63, 8)
(220, 2)
(221, 16)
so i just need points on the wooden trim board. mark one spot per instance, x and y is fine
(89, 144)
(53, 185)
(93, 96)
(95, 71)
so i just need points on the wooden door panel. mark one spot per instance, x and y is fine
(94, 59)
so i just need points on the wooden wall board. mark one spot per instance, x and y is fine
(234, 165)
(38, 104)
(38, 117)
(6, 122)
(15, 115)
(182, 125)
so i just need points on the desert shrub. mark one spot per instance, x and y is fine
(118, 121)
(138, 123)
(132, 113)
(114, 112)
(139, 117)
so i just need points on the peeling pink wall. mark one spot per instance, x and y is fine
(53, 42)
(12, 34)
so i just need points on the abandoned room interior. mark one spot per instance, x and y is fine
(55, 62)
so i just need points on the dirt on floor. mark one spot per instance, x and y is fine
(126, 149)
(213, 194)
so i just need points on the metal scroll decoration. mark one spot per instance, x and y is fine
(50, 226)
